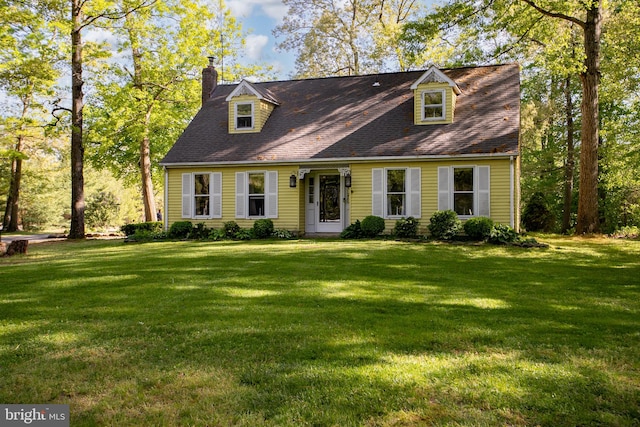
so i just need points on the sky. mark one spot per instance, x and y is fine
(258, 19)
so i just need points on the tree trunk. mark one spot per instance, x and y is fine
(11, 219)
(145, 172)
(77, 147)
(145, 147)
(588, 218)
(569, 166)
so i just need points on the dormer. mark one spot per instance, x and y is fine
(249, 108)
(434, 98)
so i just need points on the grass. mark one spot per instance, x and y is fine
(324, 333)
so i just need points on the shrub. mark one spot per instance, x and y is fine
(372, 225)
(444, 225)
(151, 226)
(281, 233)
(627, 232)
(478, 228)
(147, 236)
(102, 209)
(200, 231)
(262, 228)
(406, 227)
(230, 228)
(502, 234)
(244, 234)
(180, 229)
(354, 231)
(536, 215)
(217, 235)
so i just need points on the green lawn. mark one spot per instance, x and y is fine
(325, 333)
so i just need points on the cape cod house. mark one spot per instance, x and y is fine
(315, 155)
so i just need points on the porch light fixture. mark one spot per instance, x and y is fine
(292, 181)
(347, 180)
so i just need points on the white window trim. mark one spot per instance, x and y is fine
(270, 194)
(253, 114)
(481, 190)
(423, 105)
(189, 196)
(386, 193)
(412, 192)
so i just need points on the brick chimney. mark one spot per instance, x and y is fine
(209, 80)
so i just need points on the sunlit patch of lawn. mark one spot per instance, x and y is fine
(322, 332)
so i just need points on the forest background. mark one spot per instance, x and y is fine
(84, 123)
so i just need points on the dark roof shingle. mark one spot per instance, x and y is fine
(347, 117)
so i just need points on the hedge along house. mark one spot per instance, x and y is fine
(315, 155)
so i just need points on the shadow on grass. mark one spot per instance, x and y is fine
(325, 333)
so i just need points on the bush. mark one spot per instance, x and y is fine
(354, 231)
(536, 215)
(502, 234)
(262, 228)
(151, 226)
(200, 231)
(478, 228)
(180, 229)
(147, 236)
(244, 234)
(406, 228)
(281, 233)
(230, 229)
(102, 209)
(372, 225)
(627, 232)
(444, 225)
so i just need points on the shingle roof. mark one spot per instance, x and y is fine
(347, 117)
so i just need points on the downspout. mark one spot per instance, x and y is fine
(166, 199)
(511, 193)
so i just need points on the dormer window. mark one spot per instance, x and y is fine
(434, 98)
(250, 106)
(244, 115)
(433, 106)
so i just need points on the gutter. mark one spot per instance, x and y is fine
(431, 158)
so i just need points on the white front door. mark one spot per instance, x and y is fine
(324, 211)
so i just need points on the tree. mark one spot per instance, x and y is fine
(350, 37)
(83, 15)
(144, 101)
(29, 54)
(520, 19)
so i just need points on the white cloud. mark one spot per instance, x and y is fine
(272, 8)
(241, 8)
(255, 46)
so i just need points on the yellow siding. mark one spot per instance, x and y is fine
(291, 207)
(288, 198)
(500, 202)
(261, 112)
(449, 103)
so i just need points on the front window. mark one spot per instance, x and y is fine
(463, 191)
(202, 194)
(256, 194)
(244, 116)
(396, 192)
(433, 105)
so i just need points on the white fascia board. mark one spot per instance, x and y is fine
(440, 76)
(341, 160)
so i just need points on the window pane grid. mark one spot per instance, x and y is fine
(256, 194)
(432, 105)
(396, 192)
(244, 116)
(463, 191)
